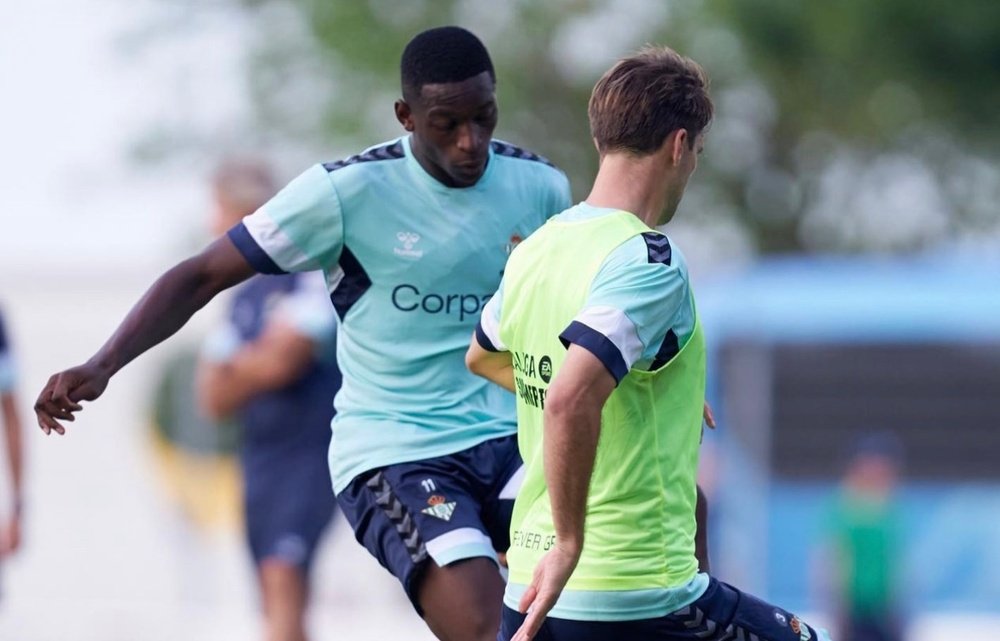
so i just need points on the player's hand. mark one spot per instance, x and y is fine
(551, 575)
(61, 396)
(709, 416)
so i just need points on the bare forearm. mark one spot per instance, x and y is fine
(218, 397)
(260, 370)
(570, 447)
(15, 453)
(496, 367)
(502, 375)
(278, 358)
(164, 308)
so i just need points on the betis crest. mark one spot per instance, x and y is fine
(440, 507)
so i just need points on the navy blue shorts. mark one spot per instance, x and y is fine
(443, 509)
(287, 503)
(723, 613)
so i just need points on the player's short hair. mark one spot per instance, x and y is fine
(645, 97)
(246, 183)
(442, 54)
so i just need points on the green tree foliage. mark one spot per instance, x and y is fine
(845, 125)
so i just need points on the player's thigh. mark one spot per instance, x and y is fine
(286, 515)
(724, 612)
(412, 514)
(507, 477)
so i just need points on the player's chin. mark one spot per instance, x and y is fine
(466, 175)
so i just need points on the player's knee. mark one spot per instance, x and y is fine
(474, 588)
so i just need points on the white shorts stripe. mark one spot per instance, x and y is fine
(513, 485)
(463, 543)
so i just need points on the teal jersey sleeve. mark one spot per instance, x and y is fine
(639, 307)
(562, 198)
(558, 198)
(300, 229)
(488, 327)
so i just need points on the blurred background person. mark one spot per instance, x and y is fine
(864, 543)
(272, 366)
(10, 524)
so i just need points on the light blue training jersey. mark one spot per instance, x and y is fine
(410, 263)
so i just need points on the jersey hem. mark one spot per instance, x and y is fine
(343, 476)
(617, 605)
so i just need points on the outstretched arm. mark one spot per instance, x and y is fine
(164, 309)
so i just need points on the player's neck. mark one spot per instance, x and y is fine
(631, 184)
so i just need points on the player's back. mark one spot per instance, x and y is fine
(640, 508)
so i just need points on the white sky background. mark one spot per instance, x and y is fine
(106, 554)
(80, 83)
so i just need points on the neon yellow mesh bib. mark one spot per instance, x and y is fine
(640, 525)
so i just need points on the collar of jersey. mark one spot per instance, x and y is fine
(585, 211)
(436, 184)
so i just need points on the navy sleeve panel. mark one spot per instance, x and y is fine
(484, 340)
(253, 253)
(597, 344)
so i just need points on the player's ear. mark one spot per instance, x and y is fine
(404, 114)
(678, 142)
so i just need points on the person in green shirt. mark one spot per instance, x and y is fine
(864, 538)
(595, 330)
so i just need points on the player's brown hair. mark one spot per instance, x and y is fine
(645, 97)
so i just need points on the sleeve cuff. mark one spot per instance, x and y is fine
(251, 251)
(597, 344)
(484, 340)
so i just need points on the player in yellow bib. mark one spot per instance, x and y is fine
(595, 329)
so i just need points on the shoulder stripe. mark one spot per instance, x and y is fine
(385, 152)
(501, 148)
(657, 247)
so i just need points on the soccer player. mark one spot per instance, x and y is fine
(413, 235)
(10, 530)
(595, 328)
(272, 366)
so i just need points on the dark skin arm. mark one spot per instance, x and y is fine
(162, 310)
